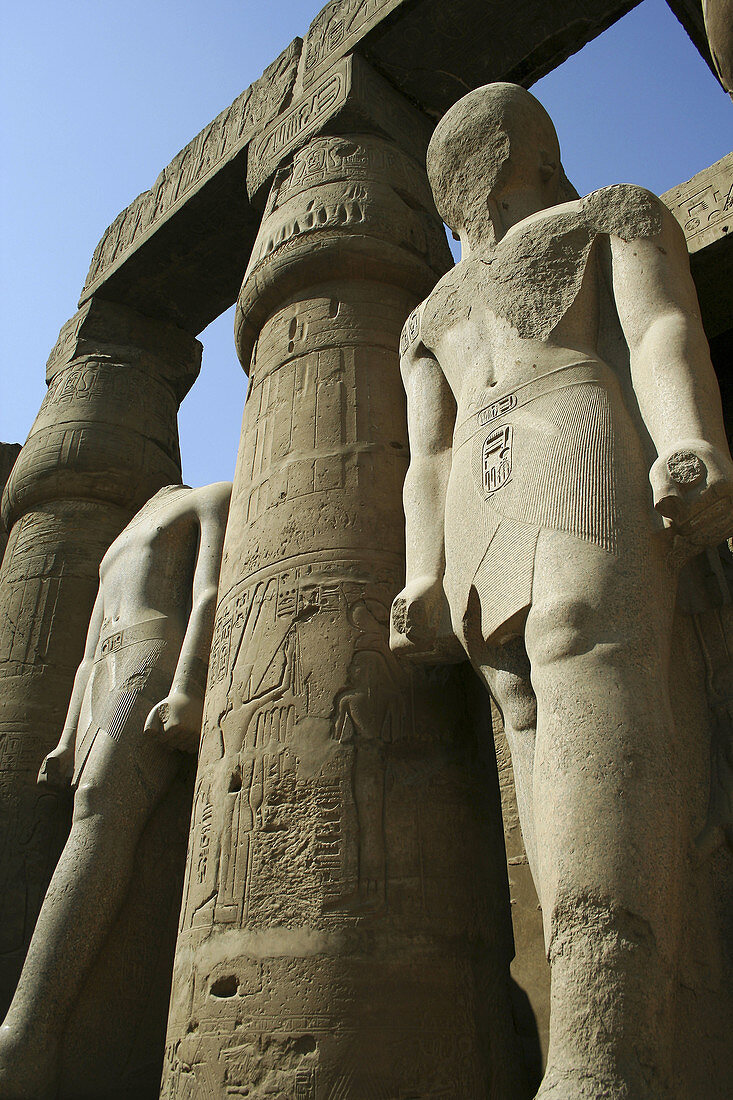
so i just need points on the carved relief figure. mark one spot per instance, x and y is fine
(567, 453)
(135, 708)
(369, 715)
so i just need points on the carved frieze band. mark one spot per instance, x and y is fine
(209, 151)
(336, 29)
(704, 205)
(351, 88)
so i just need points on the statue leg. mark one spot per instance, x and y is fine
(505, 669)
(114, 800)
(609, 806)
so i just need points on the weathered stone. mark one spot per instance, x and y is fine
(350, 98)
(104, 441)
(433, 52)
(425, 51)
(548, 445)
(179, 251)
(719, 29)
(703, 205)
(195, 222)
(343, 929)
(136, 703)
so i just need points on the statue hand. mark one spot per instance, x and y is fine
(57, 768)
(693, 490)
(419, 623)
(176, 721)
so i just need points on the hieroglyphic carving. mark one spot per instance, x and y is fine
(351, 96)
(346, 207)
(213, 147)
(304, 119)
(277, 725)
(337, 28)
(704, 205)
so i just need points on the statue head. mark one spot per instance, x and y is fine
(497, 140)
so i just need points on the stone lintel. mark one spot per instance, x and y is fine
(435, 52)
(337, 29)
(193, 177)
(703, 206)
(350, 98)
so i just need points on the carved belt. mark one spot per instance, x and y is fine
(150, 630)
(575, 374)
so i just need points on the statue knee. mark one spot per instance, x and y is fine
(94, 798)
(558, 628)
(518, 705)
(88, 801)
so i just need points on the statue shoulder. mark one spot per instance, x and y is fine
(213, 500)
(426, 320)
(411, 337)
(626, 211)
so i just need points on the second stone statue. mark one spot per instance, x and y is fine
(135, 710)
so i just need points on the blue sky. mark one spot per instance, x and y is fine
(95, 97)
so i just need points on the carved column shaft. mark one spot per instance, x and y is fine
(343, 930)
(104, 440)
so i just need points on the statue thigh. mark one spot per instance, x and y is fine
(126, 770)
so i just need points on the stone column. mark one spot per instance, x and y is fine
(344, 927)
(104, 440)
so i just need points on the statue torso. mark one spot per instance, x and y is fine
(148, 570)
(530, 304)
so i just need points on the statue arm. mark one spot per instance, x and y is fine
(57, 767)
(190, 674)
(430, 420)
(674, 380)
(177, 718)
(420, 611)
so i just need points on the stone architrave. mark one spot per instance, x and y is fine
(104, 441)
(432, 51)
(134, 716)
(568, 456)
(703, 205)
(344, 926)
(176, 249)
(350, 96)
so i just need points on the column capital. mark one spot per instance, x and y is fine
(115, 332)
(342, 206)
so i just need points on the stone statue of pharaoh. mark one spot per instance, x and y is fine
(136, 706)
(567, 453)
